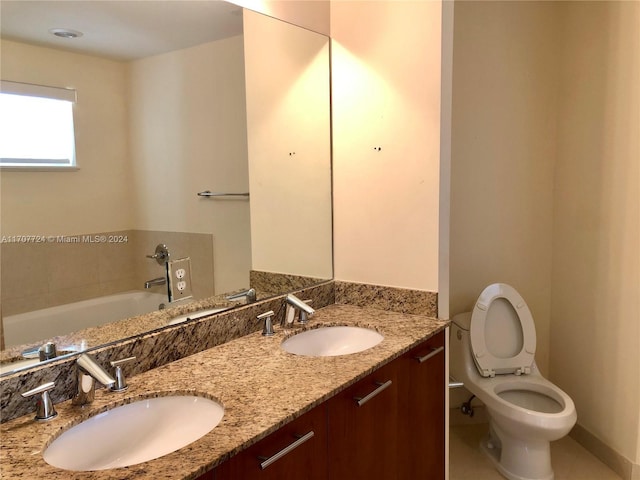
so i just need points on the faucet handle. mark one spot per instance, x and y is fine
(267, 331)
(120, 384)
(161, 254)
(44, 408)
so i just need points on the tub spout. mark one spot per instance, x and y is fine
(154, 282)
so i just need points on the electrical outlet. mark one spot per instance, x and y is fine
(179, 273)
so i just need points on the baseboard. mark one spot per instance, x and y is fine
(607, 455)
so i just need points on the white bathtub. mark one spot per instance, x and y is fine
(33, 326)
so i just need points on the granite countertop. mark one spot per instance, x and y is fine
(261, 386)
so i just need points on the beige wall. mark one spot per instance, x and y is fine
(187, 137)
(41, 275)
(288, 127)
(386, 127)
(502, 154)
(595, 305)
(544, 191)
(98, 195)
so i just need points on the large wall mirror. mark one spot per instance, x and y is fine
(174, 98)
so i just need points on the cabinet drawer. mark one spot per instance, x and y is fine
(362, 427)
(298, 448)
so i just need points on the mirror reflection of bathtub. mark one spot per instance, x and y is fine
(30, 327)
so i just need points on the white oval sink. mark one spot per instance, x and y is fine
(134, 433)
(332, 341)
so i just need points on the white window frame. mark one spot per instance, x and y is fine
(42, 91)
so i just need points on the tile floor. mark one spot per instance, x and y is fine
(569, 459)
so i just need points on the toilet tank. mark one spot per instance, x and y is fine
(461, 364)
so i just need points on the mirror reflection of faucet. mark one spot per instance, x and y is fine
(161, 254)
(50, 350)
(154, 282)
(249, 296)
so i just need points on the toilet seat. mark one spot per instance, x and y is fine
(501, 318)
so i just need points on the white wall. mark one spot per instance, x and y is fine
(187, 137)
(310, 14)
(98, 195)
(595, 327)
(386, 127)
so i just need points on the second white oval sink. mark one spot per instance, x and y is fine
(134, 433)
(332, 341)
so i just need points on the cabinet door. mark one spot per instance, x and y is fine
(210, 475)
(421, 435)
(297, 450)
(362, 428)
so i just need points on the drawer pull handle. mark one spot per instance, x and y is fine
(381, 386)
(300, 440)
(430, 355)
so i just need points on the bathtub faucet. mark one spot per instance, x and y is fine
(154, 282)
(87, 373)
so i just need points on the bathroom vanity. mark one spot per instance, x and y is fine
(388, 425)
(272, 399)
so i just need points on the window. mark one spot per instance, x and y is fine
(36, 126)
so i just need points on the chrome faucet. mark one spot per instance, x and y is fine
(294, 304)
(250, 295)
(43, 352)
(47, 351)
(155, 281)
(87, 373)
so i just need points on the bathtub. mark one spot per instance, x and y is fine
(49, 322)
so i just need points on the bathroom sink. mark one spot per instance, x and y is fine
(332, 341)
(134, 433)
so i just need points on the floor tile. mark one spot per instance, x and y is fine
(570, 460)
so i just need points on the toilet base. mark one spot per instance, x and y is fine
(516, 460)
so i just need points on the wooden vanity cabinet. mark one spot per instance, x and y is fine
(387, 426)
(421, 403)
(399, 433)
(297, 450)
(362, 428)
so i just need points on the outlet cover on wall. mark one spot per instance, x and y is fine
(179, 274)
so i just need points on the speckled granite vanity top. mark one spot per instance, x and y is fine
(260, 385)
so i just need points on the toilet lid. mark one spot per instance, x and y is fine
(502, 333)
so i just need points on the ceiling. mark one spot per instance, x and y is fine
(120, 30)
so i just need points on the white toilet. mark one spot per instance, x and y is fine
(492, 352)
